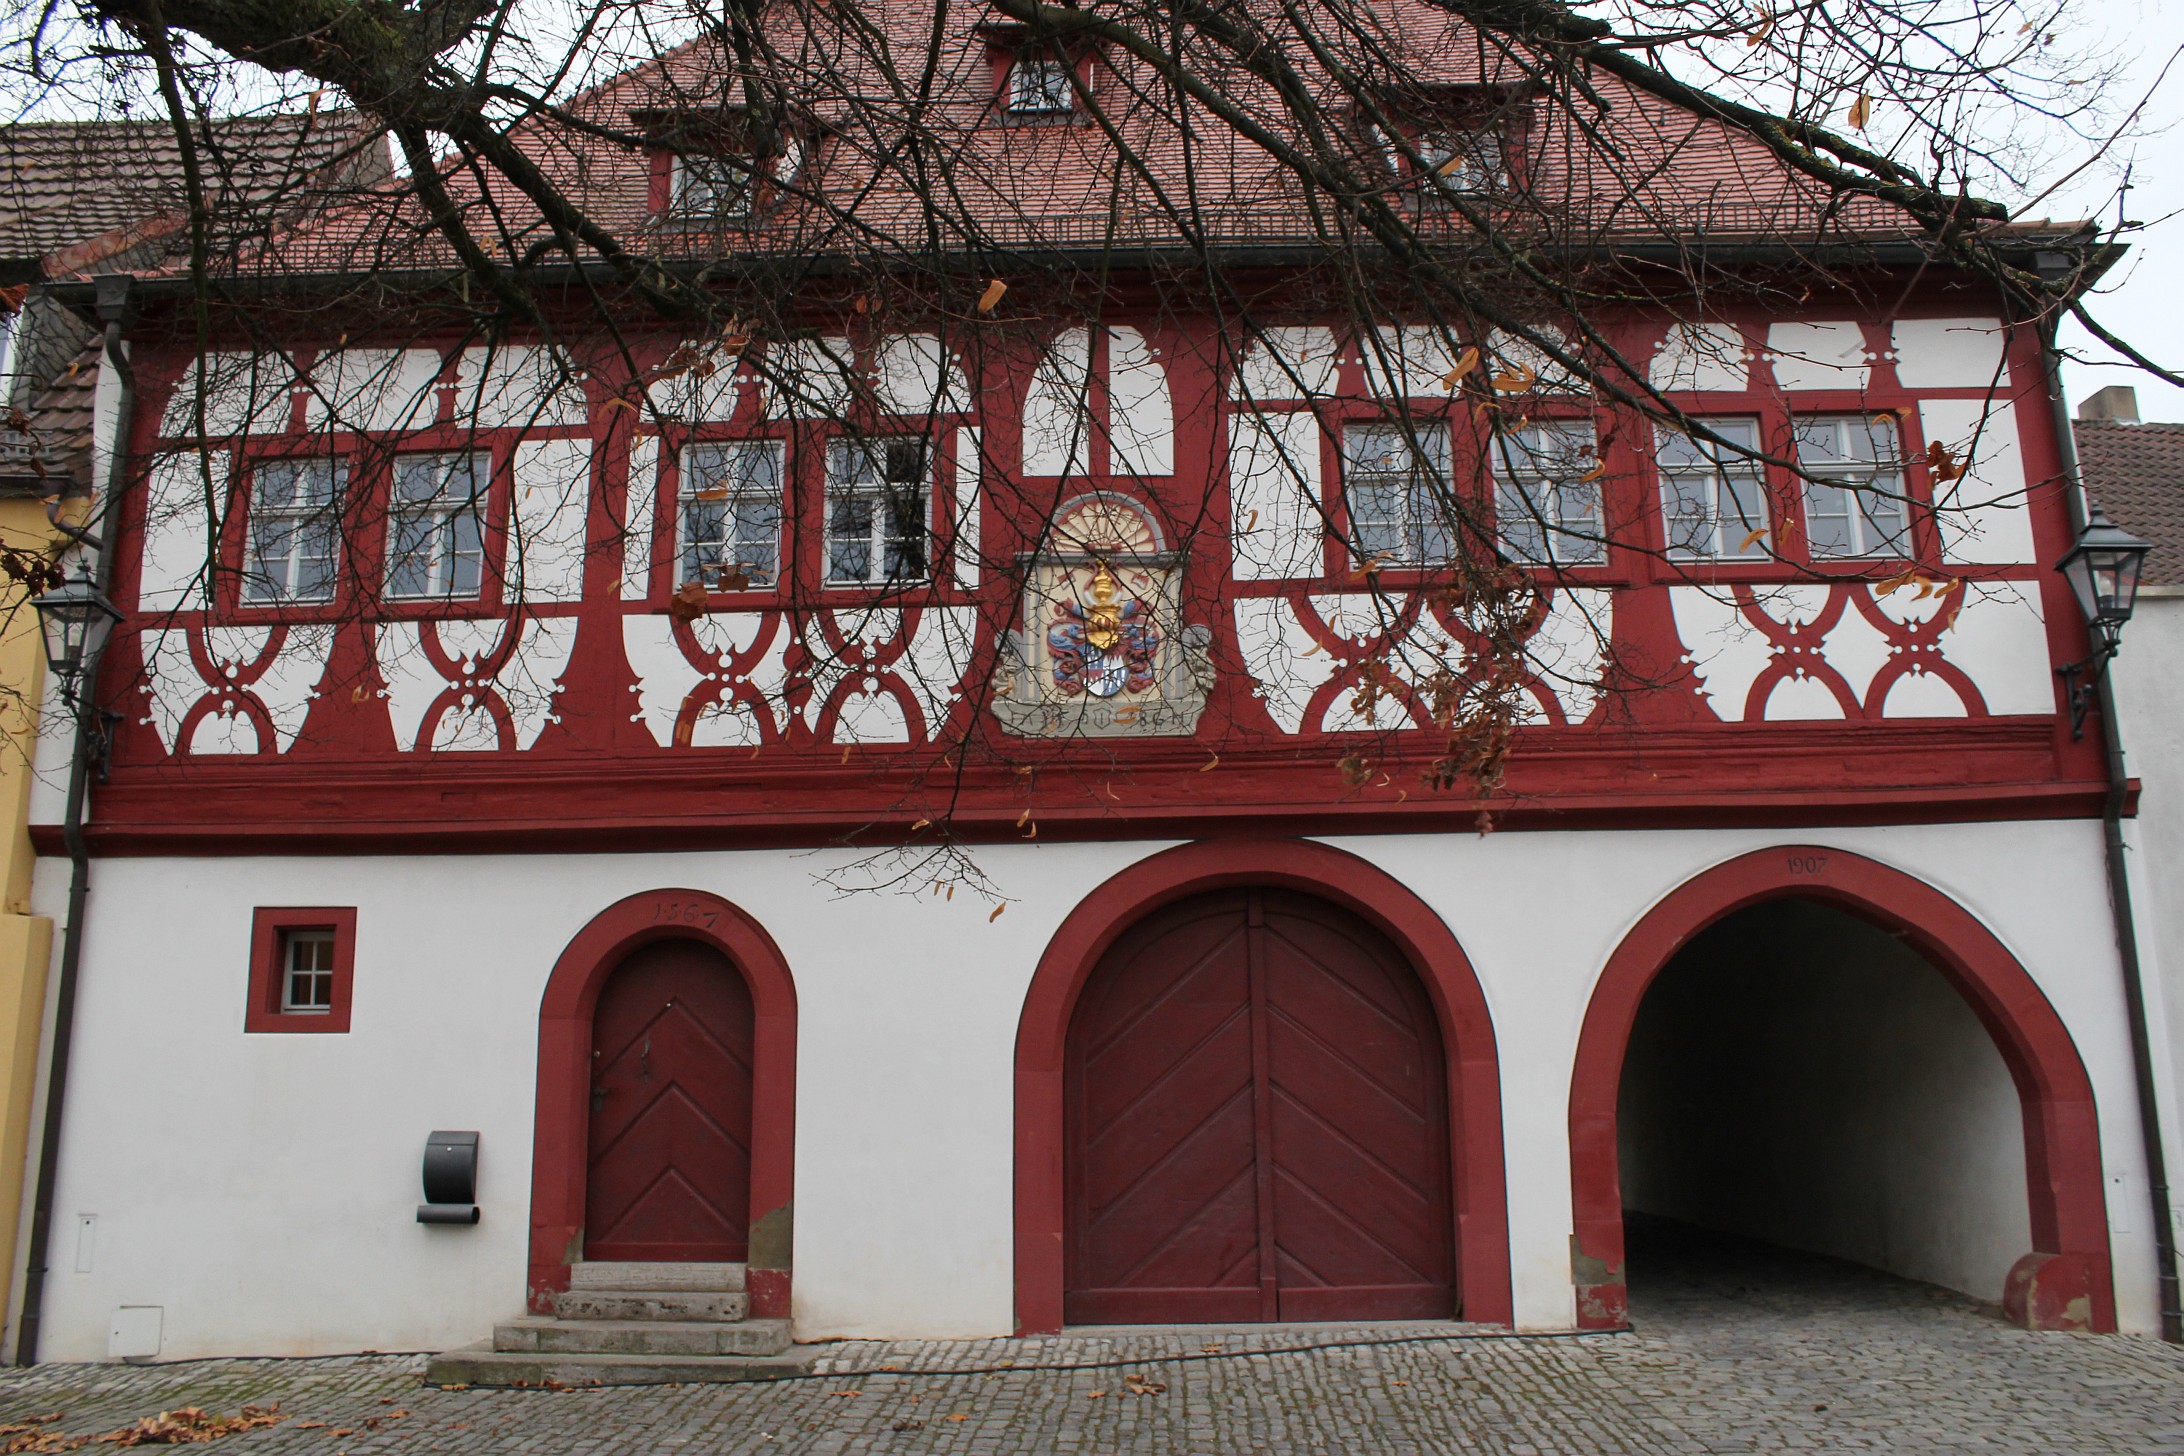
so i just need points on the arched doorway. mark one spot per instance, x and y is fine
(1257, 1123)
(1358, 894)
(1809, 1048)
(668, 1161)
(675, 1101)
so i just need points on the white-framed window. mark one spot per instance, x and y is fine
(436, 529)
(1547, 493)
(709, 187)
(1859, 511)
(1396, 481)
(1714, 500)
(731, 513)
(294, 529)
(1462, 161)
(879, 510)
(307, 971)
(1039, 85)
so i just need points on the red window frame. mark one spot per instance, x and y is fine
(270, 927)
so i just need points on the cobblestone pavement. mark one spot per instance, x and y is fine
(1734, 1350)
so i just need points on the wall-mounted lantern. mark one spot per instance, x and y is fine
(2103, 572)
(76, 618)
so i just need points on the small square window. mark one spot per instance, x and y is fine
(307, 965)
(879, 511)
(1547, 494)
(1714, 499)
(1039, 85)
(731, 513)
(300, 969)
(1396, 483)
(1857, 508)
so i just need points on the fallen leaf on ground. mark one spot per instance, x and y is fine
(189, 1426)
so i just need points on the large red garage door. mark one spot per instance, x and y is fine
(1257, 1123)
(670, 1166)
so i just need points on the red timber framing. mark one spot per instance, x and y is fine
(564, 1082)
(1653, 753)
(2064, 1283)
(1467, 1034)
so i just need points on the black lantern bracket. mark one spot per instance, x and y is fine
(2102, 569)
(2080, 694)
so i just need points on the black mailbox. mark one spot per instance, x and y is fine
(451, 1179)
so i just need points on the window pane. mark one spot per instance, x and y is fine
(1713, 498)
(307, 982)
(1462, 160)
(1394, 485)
(436, 533)
(1743, 511)
(849, 538)
(1858, 508)
(1827, 521)
(1548, 510)
(707, 186)
(1040, 83)
(879, 505)
(292, 530)
(731, 514)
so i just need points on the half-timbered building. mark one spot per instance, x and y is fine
(1024, 781)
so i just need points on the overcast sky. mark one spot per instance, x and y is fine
(2145, 301)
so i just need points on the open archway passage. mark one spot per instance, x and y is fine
(1799, 1077)
(1257, 1123)
(670, 1141)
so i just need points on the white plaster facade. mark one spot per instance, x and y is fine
(260, 1188)
(2150, 704)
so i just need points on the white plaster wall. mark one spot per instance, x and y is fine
(1801, 1077)
(262, 1188)
(2150, 700)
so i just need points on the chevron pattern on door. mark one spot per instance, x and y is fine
(1257, 1123)
(670, 1139)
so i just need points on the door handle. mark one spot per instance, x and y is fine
(599, 1097)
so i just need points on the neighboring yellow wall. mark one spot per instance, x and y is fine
(26, 940)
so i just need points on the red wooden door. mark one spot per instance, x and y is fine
(670, 1155)
(1257, 1123)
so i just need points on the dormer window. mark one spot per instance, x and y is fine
(1039, 84)
(1458, 142)
(1036, 77)
(1461, 161)
(712, 188)
(721, 167)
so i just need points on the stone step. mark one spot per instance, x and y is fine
(622, 1275)
(650, 1304)
(480, 1365)
(641, 1337)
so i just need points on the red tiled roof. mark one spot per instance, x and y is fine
(2136, 472)
(1650, 171)
(72, 192)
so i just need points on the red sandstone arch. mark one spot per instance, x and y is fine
(1467, 1033)
(2065, 1282)
(564, 1081)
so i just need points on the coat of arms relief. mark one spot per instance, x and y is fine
(1102, 649)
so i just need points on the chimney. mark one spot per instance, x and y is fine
(2118, 402)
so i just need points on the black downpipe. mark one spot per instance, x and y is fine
(113, 304)
(2119, 899)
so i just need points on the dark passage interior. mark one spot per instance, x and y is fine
(1801, 1078)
